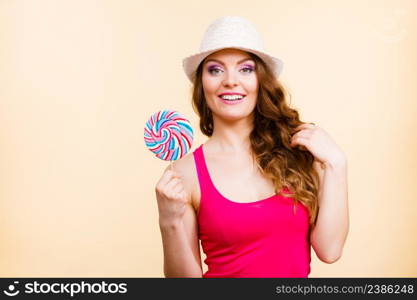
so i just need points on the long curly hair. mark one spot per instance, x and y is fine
(274, 124)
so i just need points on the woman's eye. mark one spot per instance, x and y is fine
(214, 71)
(248, 70)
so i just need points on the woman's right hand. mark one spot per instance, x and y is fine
(171, 197)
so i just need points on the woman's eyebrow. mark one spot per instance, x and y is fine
(220, 62)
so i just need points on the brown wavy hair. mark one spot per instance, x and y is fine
(274, 124)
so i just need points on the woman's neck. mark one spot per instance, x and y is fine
(231, 137)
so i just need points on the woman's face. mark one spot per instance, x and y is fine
(230, 83)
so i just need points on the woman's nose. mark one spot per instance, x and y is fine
(230, 79)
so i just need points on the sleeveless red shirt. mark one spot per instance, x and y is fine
(264, 238)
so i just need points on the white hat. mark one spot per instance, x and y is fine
(230, 32)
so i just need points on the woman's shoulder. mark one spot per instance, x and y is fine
(185, 165)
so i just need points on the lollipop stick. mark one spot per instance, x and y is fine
(170, 164)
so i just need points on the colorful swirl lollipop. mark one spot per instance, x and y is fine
(168, 134)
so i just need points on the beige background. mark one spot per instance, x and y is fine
(78, 80)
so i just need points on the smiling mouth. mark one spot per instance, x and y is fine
(232, 99)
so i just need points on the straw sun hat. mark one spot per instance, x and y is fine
(230, 32)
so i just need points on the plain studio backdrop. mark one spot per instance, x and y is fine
(79, 79)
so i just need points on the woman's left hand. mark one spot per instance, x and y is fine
(318, 142)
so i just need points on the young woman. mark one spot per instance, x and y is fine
(265, 187)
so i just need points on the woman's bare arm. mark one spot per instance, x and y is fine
(180, 237)
(181, 247)
(329, 235)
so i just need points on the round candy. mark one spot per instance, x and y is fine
(168, 134)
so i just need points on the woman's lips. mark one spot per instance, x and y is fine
(231, 102)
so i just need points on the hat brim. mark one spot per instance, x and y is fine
(191, 62)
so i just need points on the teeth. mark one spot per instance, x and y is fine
(231, 97)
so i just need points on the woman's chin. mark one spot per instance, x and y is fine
(234, 116)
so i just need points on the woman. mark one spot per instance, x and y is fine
(252, 192)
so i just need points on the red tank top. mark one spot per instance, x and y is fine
(252, 239)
